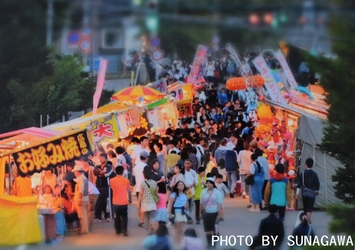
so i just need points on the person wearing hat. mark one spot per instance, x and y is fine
(81, 197)
(278, 190)
(138, 173)
(210, 208)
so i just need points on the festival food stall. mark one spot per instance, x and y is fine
(30, 211)
(162, 114)
(154, 113)
(182, 94)
(303, 111)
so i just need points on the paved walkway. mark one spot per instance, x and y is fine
(238, 222)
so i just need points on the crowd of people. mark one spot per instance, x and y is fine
(183, 176)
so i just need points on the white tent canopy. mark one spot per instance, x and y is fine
(310, 133)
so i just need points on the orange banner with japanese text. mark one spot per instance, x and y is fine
(185, 108)
(53, 153)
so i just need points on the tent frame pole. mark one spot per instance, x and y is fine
(325, 179)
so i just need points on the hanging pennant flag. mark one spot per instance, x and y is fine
(99, 85)
(284, 65)
(195, 77)
(271, 86)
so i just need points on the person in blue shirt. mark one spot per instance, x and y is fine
(177, 207)
(222, 97)
(278, 190)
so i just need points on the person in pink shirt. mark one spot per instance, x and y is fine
(161, 214)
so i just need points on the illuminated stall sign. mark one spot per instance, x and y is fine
(105, 128)
(53, 153)
(185, 109)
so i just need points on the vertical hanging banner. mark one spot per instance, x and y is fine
(154, 120)
(195, 77)
(99, 85)
(105, 129)
(271, 86)
(284, 65)
(124, 132)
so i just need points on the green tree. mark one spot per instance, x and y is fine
(23, 61)
(65, 86)
(338, 80)
(69, 88)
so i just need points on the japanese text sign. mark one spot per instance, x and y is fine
(185, 109)
(51, 154)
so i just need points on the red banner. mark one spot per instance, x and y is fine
(195, 75)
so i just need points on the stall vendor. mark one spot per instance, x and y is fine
(22, 186)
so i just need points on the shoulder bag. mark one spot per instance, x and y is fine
(309, 193)
(249, 180)
(153, 192)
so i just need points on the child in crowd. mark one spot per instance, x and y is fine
(223, 189)
(214, 172)
(48, 196)
(162, 214)
(201, 181)
(178, 204)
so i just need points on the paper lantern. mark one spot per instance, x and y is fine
(264, 111)
(291, 173)
(268, 128)
(261, 128)
(239, 83)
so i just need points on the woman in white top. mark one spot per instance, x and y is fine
(210, 208)
(146, 200)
